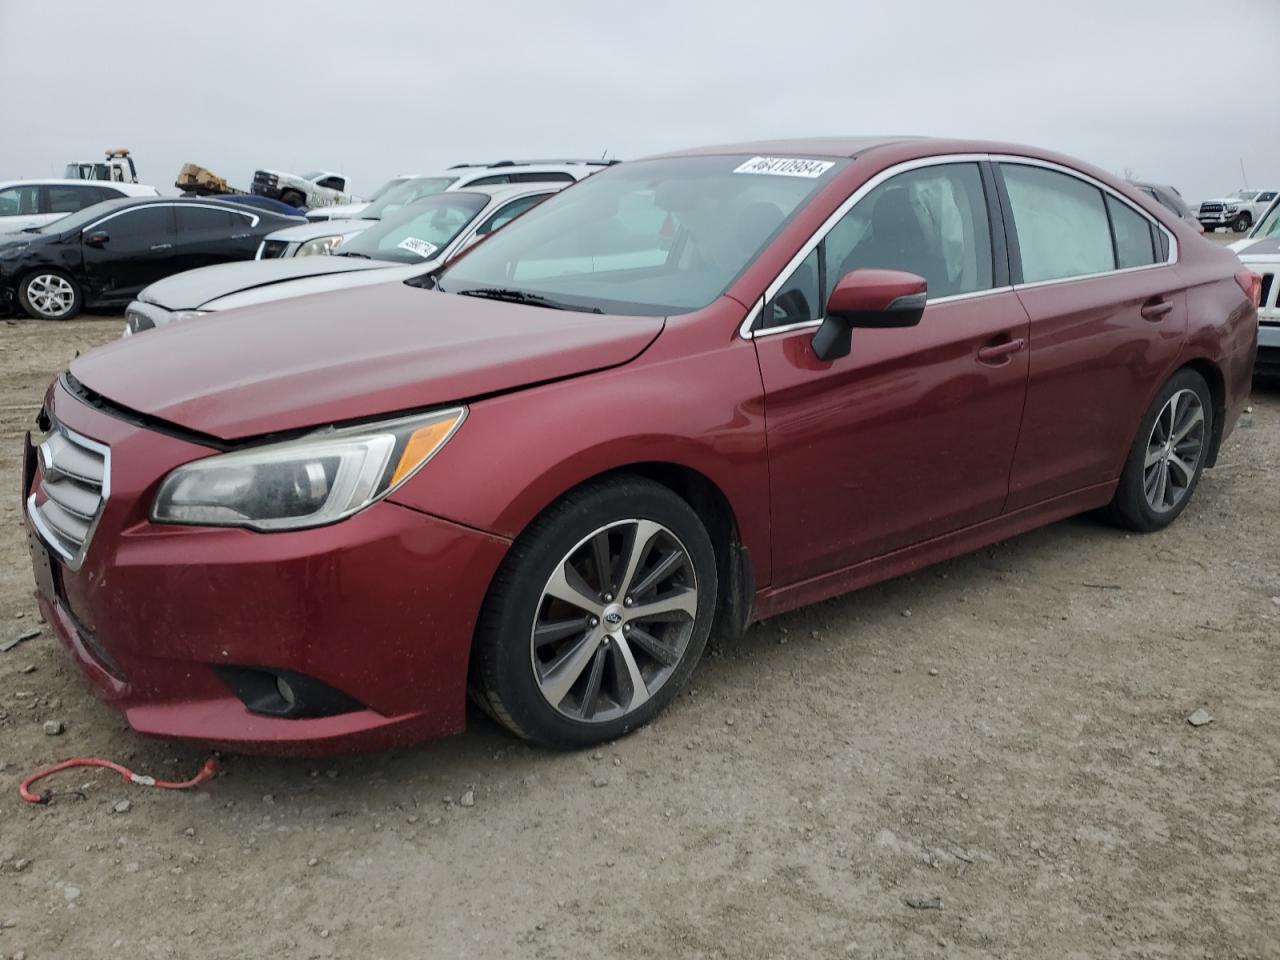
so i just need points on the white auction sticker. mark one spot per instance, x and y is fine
(420, 247)
(786, 167)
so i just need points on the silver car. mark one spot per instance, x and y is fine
(411, 242)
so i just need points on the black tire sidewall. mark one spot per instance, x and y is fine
(1241, 220)
(1130, 500)
(77, 302)
(503, 636)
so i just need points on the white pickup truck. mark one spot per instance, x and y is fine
(318, 188)
(1240, 211)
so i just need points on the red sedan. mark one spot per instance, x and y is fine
(686, 394)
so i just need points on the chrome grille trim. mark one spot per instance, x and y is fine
(75, 477)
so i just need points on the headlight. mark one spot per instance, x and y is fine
(308, 482)
(1232, 207)
(7, 253)
(319, 246)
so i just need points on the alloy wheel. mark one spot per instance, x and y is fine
(614, 620)
(50, 295)
(1174, 450)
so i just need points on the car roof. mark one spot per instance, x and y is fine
(508, 191)
(504, 164)
(140, 189)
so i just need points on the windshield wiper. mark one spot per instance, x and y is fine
(352, 253)
(523, 296)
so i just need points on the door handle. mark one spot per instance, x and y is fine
(162, 246)
(1156, 308)
(998, 353)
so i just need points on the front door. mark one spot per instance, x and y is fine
(134, 248)
(912, 435)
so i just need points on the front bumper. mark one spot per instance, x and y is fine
(1219, 219)
(380, 607)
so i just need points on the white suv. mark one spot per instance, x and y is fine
(33, 203)
(1240, 211)
(465, 175)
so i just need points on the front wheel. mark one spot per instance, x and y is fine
(598, 615)
(1241, 223)
(49, 295)
(294, 198)
(1168, 455)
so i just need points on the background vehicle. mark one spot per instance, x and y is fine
(1171, 199)
(464, 176)
(35, 203)
(1260, 252)
(319, 188)
(709, 386)
(347, 211)
(117, 167)
(106, 253)
(1239, 211)
(409, 243)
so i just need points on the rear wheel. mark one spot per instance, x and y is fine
(598, 615)
(49, 295)
(1167, 458)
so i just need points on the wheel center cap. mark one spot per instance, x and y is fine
(613, 615)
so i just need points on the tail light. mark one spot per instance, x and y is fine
(1251, 284)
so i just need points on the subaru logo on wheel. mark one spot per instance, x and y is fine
(613, 617)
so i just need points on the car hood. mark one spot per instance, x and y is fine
(195, 288)
(320, 228)
(1228, 201)
(350, 355)
(1267, 248)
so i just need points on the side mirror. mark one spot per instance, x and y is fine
(876, 299)
(98, 238)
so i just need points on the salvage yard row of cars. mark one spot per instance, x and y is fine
(678, 396)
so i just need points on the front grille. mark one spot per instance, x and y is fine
(273, 249)
(265, 179)
(74, 483)
(1210, 208)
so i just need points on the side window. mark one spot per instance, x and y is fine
(19, 201)
(542, 178)
(1266, 197)
(931, 222)
(333, 183)
(1134, 241)
(206, 220)
(69, 199)
(1061, 222)
(509, 213)
(137, 229)
(489, 181)
(800, 299)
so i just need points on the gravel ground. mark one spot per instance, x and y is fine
(988, 758)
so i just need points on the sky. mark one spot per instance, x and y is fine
(375, 88)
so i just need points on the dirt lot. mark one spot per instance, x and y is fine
(1006, 732)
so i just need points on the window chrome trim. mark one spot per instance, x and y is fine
(253, 217)
(747, 333)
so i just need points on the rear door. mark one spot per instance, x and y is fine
(911, 435)
(135, 247)
(1108, 314)
(208, 234)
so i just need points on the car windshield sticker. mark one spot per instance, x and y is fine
(786, 167)
(420, 247)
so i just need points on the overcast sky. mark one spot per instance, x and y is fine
(373, 89)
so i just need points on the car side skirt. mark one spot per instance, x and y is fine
(773, 601)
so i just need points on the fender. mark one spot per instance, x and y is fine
(565, 433)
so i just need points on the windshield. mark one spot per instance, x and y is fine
(1269, 226)
(406, 192)
(389, 185)
(650, 237)
(418, 232)
(1243, 195)
(83, 218)
(313, 175)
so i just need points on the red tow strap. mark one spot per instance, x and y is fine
(206, 772)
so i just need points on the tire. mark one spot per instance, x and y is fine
(294, 199)
(593, 659)
(1208, 228)
(50, 295)
(1242, 223)
(1141, 503)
